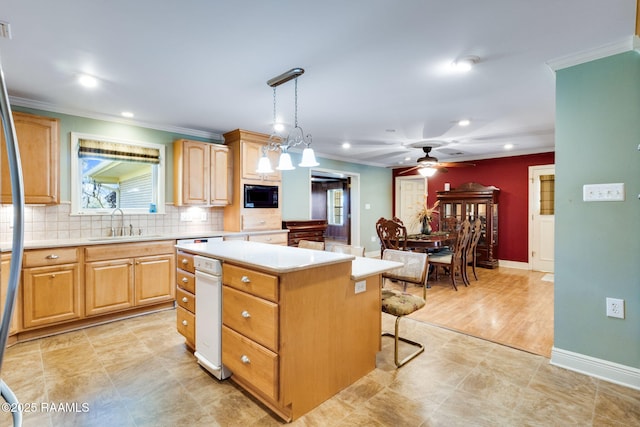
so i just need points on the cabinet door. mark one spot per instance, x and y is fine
(195, 176)
(108, 286)
(154, 278)
(220, 176)
(50, 295)
(251, 153)
(4, 285)
(38, 142)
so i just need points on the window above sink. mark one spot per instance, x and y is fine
(109, 173)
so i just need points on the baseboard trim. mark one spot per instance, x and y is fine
(514, 264)
(598, 368)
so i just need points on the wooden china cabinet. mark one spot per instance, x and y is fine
(471, 201)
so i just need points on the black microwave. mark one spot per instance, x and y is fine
(260, 196)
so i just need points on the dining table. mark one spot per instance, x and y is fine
(430, 242)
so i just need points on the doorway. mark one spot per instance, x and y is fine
(542, 217)
(335, 198)
(410, 196)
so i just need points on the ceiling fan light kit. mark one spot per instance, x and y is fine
(465, 63)
(295, 137)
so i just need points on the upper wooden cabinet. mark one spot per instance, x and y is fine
(39, 145)
(202, 173)
(251, 153)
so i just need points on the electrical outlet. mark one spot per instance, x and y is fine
(615, 308)
(360, 286)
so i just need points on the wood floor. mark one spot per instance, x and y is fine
(507, 306)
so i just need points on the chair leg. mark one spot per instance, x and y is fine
(473, 266)
(397, 338)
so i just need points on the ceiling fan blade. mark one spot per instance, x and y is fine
(456, 164)
(409, 170)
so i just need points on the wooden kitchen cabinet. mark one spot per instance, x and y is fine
(51, 287)
(245, 150)
(201, 173)
(186, 298)
(127, 275)
(39, 145)
(5, 261)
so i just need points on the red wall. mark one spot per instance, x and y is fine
(510, 175)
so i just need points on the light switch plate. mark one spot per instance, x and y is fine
(603, 192)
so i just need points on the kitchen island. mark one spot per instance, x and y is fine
(298, 325)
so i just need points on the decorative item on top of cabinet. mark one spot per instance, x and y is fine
(246, 149)
(202, 173)
(471, 201)
(312, 229)
(39, 145)
(51, 291)
(186, 298)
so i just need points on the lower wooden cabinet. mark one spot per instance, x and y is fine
(154, 279)
(109, 286)
(51, 294)
(5, 264)
(186, 298)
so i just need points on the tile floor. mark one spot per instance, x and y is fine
(137, 372)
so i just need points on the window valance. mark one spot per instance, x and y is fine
(117, 151)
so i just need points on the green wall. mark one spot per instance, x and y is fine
(70, 124)
(375, 191)
(598, 243)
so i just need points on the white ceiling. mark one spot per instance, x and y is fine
(371, 66)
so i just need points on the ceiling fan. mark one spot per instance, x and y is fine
(429, 165)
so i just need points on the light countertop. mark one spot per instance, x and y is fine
(283, 259)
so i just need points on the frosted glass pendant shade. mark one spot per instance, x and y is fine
(284, 164)
(308, 158)
(427, 171)
(264, 165)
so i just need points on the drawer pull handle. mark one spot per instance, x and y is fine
(263, 222)
(185, 323)
(245, 279)
(246, 314)
(52, 256)
(268, 239)
(185, 261)
(185, 299)
(245, 359)
(185, 280)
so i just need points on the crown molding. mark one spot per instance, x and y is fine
(609, 49)
(39, 105)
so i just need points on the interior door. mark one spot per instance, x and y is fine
(542, 217)
(410, 194)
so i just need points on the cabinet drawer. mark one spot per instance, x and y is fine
(250, 361)
(185, 262)
(186, 280)
(260, 284)
(54, 256)
(186, 300)
(128, 250)
(261, 219)
(186, 324)
(273, 238)
(251, 316)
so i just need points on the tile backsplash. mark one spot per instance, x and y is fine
(55, 222)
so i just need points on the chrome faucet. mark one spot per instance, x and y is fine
(113, 230)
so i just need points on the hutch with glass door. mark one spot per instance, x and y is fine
(471, 201)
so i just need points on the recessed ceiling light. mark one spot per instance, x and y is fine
(464, 122)
(465, 63)
(406, 159)
(508, 146)
(87, 80)
(390, 130)
(127, 114)
(346, 145)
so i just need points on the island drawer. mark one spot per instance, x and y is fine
(184, 261)
(186, 324)
(250, 361)
(186, 280)
(54, 256)
(251, 316)
(273, 238)
(186, 300)
(254, 282)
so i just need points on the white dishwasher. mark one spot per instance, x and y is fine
(209, 316)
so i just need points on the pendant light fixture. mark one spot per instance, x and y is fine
(282, 143)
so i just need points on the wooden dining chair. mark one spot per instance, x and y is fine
(400, 304)
(392, 234)
(470, 254)
(309, 244)
(454, 260)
